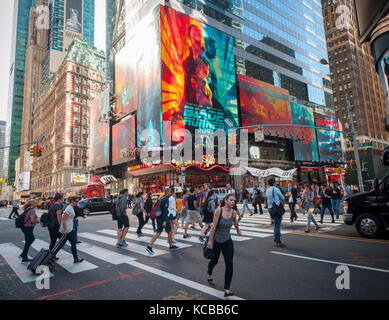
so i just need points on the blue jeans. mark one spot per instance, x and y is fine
(277, 227)
(29, 239)
(310, 216)
(323, 210)
(335, 205)
(246, 205)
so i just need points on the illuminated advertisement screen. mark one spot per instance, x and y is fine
(304, 143)
(198, 75)
(263, 103)
(137, 75)
(100, 131)
(74, 15)
(123, 141)
(330, 142)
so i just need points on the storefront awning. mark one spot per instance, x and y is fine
(271, 172)
(155, 169)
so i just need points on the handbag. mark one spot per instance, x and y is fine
(277, 210)
(207, 252)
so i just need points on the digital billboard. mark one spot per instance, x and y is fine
(137, 75)
(123, 141)
(263, 103)
(304, 143)
(330, 140)
(99, 134)
(74, 15)
(198, 75)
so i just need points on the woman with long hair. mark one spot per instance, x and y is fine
(30, 220)
(184, 209)
(210, 206)
(220, 240)
(55, 217)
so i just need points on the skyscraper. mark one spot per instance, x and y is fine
(16, 94)
(3, 128)
(108, 35)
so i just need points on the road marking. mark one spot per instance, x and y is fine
(329, 236)
(10, 253)
(65, 259)
(131, 246)
(260, 229)
(301, 220)
(183, 281)
(103, 254)
(159, 242)
(4, 219)
(331, 262)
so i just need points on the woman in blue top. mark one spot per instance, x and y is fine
(308, 196)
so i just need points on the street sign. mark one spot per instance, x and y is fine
(365, 144)
(259, 135)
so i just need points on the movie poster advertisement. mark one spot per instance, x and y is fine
(330, 140)
(383, 70)
(304, 143)
(137, 75)
(99, 138)
(123, 141)
(198, 76)
(263, 103)
(74, 15)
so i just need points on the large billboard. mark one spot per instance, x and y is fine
(304, 143)
(137, 75)
(73, 20)
(99, 137)
(330, 140)
(198, 75)
(263, 103)
(123, 141)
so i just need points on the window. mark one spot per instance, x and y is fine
(78, 69)
(76, 152)
(84, 142)
(83, 163)
(84, 121)
(77, 79)
(76, 119)
(85, 82)
(76, 130)
(77, 89)
(76, 108)
(85, 101)
(84, 90)
(76, 163)
(84, 131)
(85, 73)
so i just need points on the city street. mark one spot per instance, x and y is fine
(305, 269)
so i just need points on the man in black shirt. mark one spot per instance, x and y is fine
(326, 196)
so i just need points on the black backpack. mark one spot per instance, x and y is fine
(19, 221)
(45, 220)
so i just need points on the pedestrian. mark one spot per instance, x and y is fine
(55, 218)
(299, 200)
(172, 215)
(30, 220)
(317, 200)
(78, 213)
(184, 209)
(274, 195)
(326, 195)
(15, 207)
(308, 197)
(141, 212)
(292, 200)
(266, 206)
(220, 240)
(335, 198)
(200, 196)
(163, 223)
(258, 200)
(193, 215)
(129, 201)
(209, 210)
(347, 190)
(231, 190)
(67, 228)
(148, 207)
(122, 218)
(245, 198)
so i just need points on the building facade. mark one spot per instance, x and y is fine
(66, 106)
(3, 131)
(354, 78)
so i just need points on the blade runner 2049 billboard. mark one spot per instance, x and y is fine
(198, 75)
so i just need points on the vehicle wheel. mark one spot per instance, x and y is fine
(86, 211)
(368, 225)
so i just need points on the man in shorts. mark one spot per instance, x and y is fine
(163, 222)
(123, 222)
(193, 214)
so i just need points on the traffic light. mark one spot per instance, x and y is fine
(32, 154)
(36, 151)
(39, 152)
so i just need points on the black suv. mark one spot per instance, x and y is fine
(96, 205)
(369, 211)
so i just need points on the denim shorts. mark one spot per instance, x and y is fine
(123, 221)
(160, 228)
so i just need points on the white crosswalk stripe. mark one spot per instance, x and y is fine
(302, 220)
(4, 219)
(65, 259)
(10, 253)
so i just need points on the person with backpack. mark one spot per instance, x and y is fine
(245, 198)
(184, 209)
(308, 197)
(148, 207)
(193, 212)
(28, 220)
(162, 222)
(67, 228)
(173, 214)
(258, 200)
(208, 208)
(335, 198)
(326, 196)
(79, 213)
(15, 207)
(139, 210)
(122, 218)
(292, 200)
(55, 217)
(275, 197)
(220, 240)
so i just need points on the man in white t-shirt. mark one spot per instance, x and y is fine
(67, 228)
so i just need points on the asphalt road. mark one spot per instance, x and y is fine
(305, 269)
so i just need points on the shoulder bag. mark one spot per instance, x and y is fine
(209, 253)
(277, 210)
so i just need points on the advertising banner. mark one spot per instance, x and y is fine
(24, 181)
(383, 70)
(74, 15)
(263, 103)
(77, 178)
(198, 75)
(99, 139)
(330, 140)
(123, 141)
(304, 143)
(272, 172)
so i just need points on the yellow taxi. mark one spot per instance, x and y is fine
(156, 196)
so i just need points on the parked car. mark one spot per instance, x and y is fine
(96, 205)
(3, 203)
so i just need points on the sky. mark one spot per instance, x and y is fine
(6, 23)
